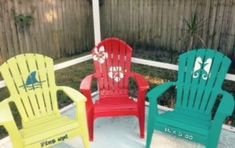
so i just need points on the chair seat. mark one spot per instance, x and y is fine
(46, 128)
(193, 123)
(115, 106)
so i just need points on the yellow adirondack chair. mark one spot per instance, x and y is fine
(31, 83)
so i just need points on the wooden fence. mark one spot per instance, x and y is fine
(55, 28)
(64, 27)
(162, 23)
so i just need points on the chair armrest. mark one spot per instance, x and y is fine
(153, 96)
(85, 88)
(75, 95)
(86, 82)
(226, 105)
(143, 86)
(224, 110)
(5, 112)
(8, 122)
(78, 98)
(155, 93)
(141, 82)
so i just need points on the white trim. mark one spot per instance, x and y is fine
(228, 128)
(72, 62)
(96, 20)
(68, 107)
(230, 77)
(4, 140)
(155, 64)
(2, 84)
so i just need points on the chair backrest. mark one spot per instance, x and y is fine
(31, 83)
(112, 60)
(200, 78)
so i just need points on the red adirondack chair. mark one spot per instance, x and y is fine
(112, 61)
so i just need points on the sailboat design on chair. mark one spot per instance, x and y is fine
(32, 82)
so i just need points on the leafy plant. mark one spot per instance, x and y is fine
(23, 22)
(193, 27)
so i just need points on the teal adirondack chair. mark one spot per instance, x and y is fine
(201, 75)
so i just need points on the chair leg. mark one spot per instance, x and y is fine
(149, 135)
(150, 127)
(91, 124)
(85, 136)
(213, 139)
(215, 131)
(85, 139)
(142, 122)
(82, 119)
(14, 135)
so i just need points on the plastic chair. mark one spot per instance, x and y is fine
(31, 83)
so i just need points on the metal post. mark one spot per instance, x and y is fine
(96, 21)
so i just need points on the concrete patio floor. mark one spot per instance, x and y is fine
(123, 132)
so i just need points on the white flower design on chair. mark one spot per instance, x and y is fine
(116, 73)
(100, 55)
(202, 66)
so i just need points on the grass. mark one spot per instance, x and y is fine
(72, 76)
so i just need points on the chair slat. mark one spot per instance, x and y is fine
(113, 73)
(194, 82)
(128, 56)
(218, 84)
(207, 89)
(21, 70)
(31, 64)
(122, 62)
(188, 77)
(51, 81)
(45, 86)
(104, 68)
(201, 86)
(115, 65)
(180, 81)
(14, 91)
